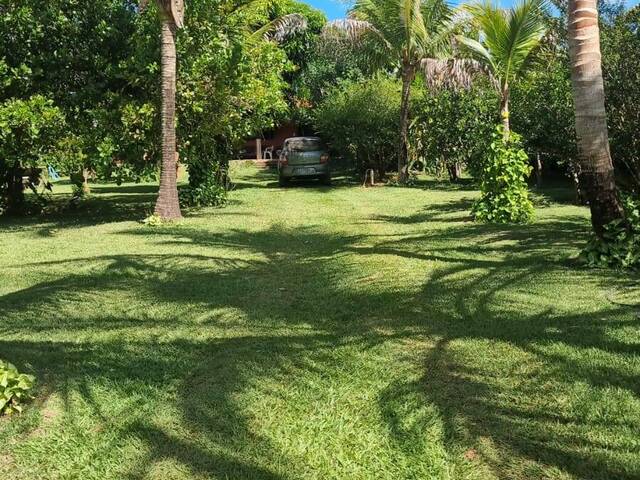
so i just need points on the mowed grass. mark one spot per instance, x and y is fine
(317, 333)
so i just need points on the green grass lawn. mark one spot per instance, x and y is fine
(317, 333)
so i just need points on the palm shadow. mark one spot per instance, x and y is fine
(464, 301)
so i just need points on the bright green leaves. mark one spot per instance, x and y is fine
(507, 37)
(15, 388)
(620, 244)
(504, 194)
(29, 131)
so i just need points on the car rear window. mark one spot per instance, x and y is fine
(305, 144)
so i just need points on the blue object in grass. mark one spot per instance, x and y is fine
(53, 175)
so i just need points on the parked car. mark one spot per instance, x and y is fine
(303, 157)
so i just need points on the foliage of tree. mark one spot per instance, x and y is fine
(29, 131)
(329, 64)
(506, 39)
(359, 120)
(543, 106)
(621, 71)
(84, 56)
(406, 34)
(452, 128)
(619, 244)
(504, 196)
(99, 62)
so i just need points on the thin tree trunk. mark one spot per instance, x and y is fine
(538, 171)
(167, 205)
(596, 168)
(86, 190)
(408, 73)
(504, 110)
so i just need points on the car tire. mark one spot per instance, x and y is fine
(326, 179)
(283, 181)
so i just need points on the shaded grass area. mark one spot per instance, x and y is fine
(317, 333)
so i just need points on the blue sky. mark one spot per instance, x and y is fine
(332, 8)
(338, 8)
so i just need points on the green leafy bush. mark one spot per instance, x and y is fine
(15, 389)
(452, 129)
(208, 194)
(619, 247)
(359, 120)
(504, 194)
(208, 177)
(153, 220)
(28, 135)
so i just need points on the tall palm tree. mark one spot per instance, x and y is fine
(594, 157)
(171, 18)
(405, 33)
(507, 37)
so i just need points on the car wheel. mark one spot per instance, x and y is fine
(283, 181)
(326, 179)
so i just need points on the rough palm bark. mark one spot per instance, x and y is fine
(596, 168)
(408, 74)
(167, 204)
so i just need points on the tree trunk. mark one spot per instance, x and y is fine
(408, 73)
(454, 172)
(596, 168)
(167, 205)
(504, 110)
(538, 171)
(86, 190)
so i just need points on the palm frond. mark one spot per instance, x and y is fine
(282, 27)
(452, 73)
(413, 25)
(360, 35)
(525, 21)
(479, 51)
(507, 37)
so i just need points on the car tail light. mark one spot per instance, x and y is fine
(284, 161)
(324, 158)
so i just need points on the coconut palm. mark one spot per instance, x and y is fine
(172, 17)
(596, 167)
(404, 34)
(507, 37)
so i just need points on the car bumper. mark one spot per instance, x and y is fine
(301, 171)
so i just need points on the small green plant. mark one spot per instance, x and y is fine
(153, 220)
(504, 194)
(619, 246)
(209, 194)
(15, 388)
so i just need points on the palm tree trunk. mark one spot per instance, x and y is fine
(167, 205)
(408, 74)
(504, 110)
(596, 168)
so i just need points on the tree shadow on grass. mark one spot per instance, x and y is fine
(507, 372)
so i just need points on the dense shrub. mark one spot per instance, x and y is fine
(359, 121)
(99, 63)
(542, 109)
(452, 129)
(15, 389)
(29, 132)
(504, 196)
(207, 181)
(621, 64)
(620, 245)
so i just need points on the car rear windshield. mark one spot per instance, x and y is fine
(305, 144)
